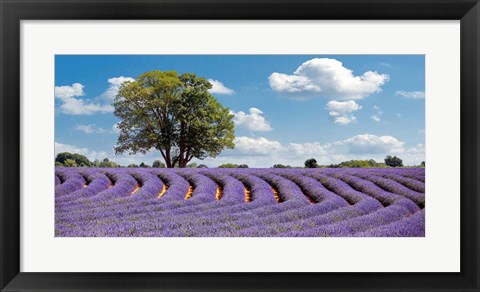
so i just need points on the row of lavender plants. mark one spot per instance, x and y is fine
(239, 202)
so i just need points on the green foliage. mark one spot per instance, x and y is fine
(311, 163)
(173, 114)
(80, 160)
(358, 164)
(422, 164)
(70, 163)
(242, 166)
(281, 166)
(228, 165)
(132, 165)
(393, 161)
(192, 165)
(158, 164)
(143, 165)
(107, 163)
(202, 166)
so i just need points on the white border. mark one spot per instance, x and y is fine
(439, 251)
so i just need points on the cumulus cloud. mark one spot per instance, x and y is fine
(252, 121)
(263, 152)
(219, 88)
(256, 146)
(114, 84)
(371, 144)
(341, 112)
(91, 155)
(324, 77)
(72, 104)
(59, 148)
(411, 94)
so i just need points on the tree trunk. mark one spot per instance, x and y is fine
(168, 160)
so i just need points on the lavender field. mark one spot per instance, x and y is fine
(158, 202)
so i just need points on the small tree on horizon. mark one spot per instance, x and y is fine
(393, 161)
(311, 163)
(228, 165)
(158, 164)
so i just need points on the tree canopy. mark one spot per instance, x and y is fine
(74, 159)
(173, 114)
(393, 161)
(311, 163)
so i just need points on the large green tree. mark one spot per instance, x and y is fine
(80, 160)
(173, 114)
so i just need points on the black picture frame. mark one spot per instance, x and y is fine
(13, 11)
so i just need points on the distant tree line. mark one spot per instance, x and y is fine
(389, 161)
(68, 159)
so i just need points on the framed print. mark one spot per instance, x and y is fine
(233, 145)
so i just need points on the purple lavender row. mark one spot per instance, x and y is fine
(72, 182)
(255, 183)
(363, 208)
(149, 204)
(57, 181)
(97, 183)
(233, 190)
(395, 187)
(204, 189)
(151, 186)
(204, 220)
(124, 186)
(287, 189)
(371, 189)
(242, 224)
(349, 227)
(412, 226)
(408, 182)
(413, 173)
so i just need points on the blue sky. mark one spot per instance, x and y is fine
(287, 107)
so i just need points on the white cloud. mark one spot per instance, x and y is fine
(262, 152)
(91, 155)
(323, 77)
(253, 121)
(59, 148)
(90, 129)
(411, 94)
(341, 112)
(113, 87)
(71, 104)
(219, 88)
(371, 144)
(76, 89)
(376, 118)
(256, 146)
